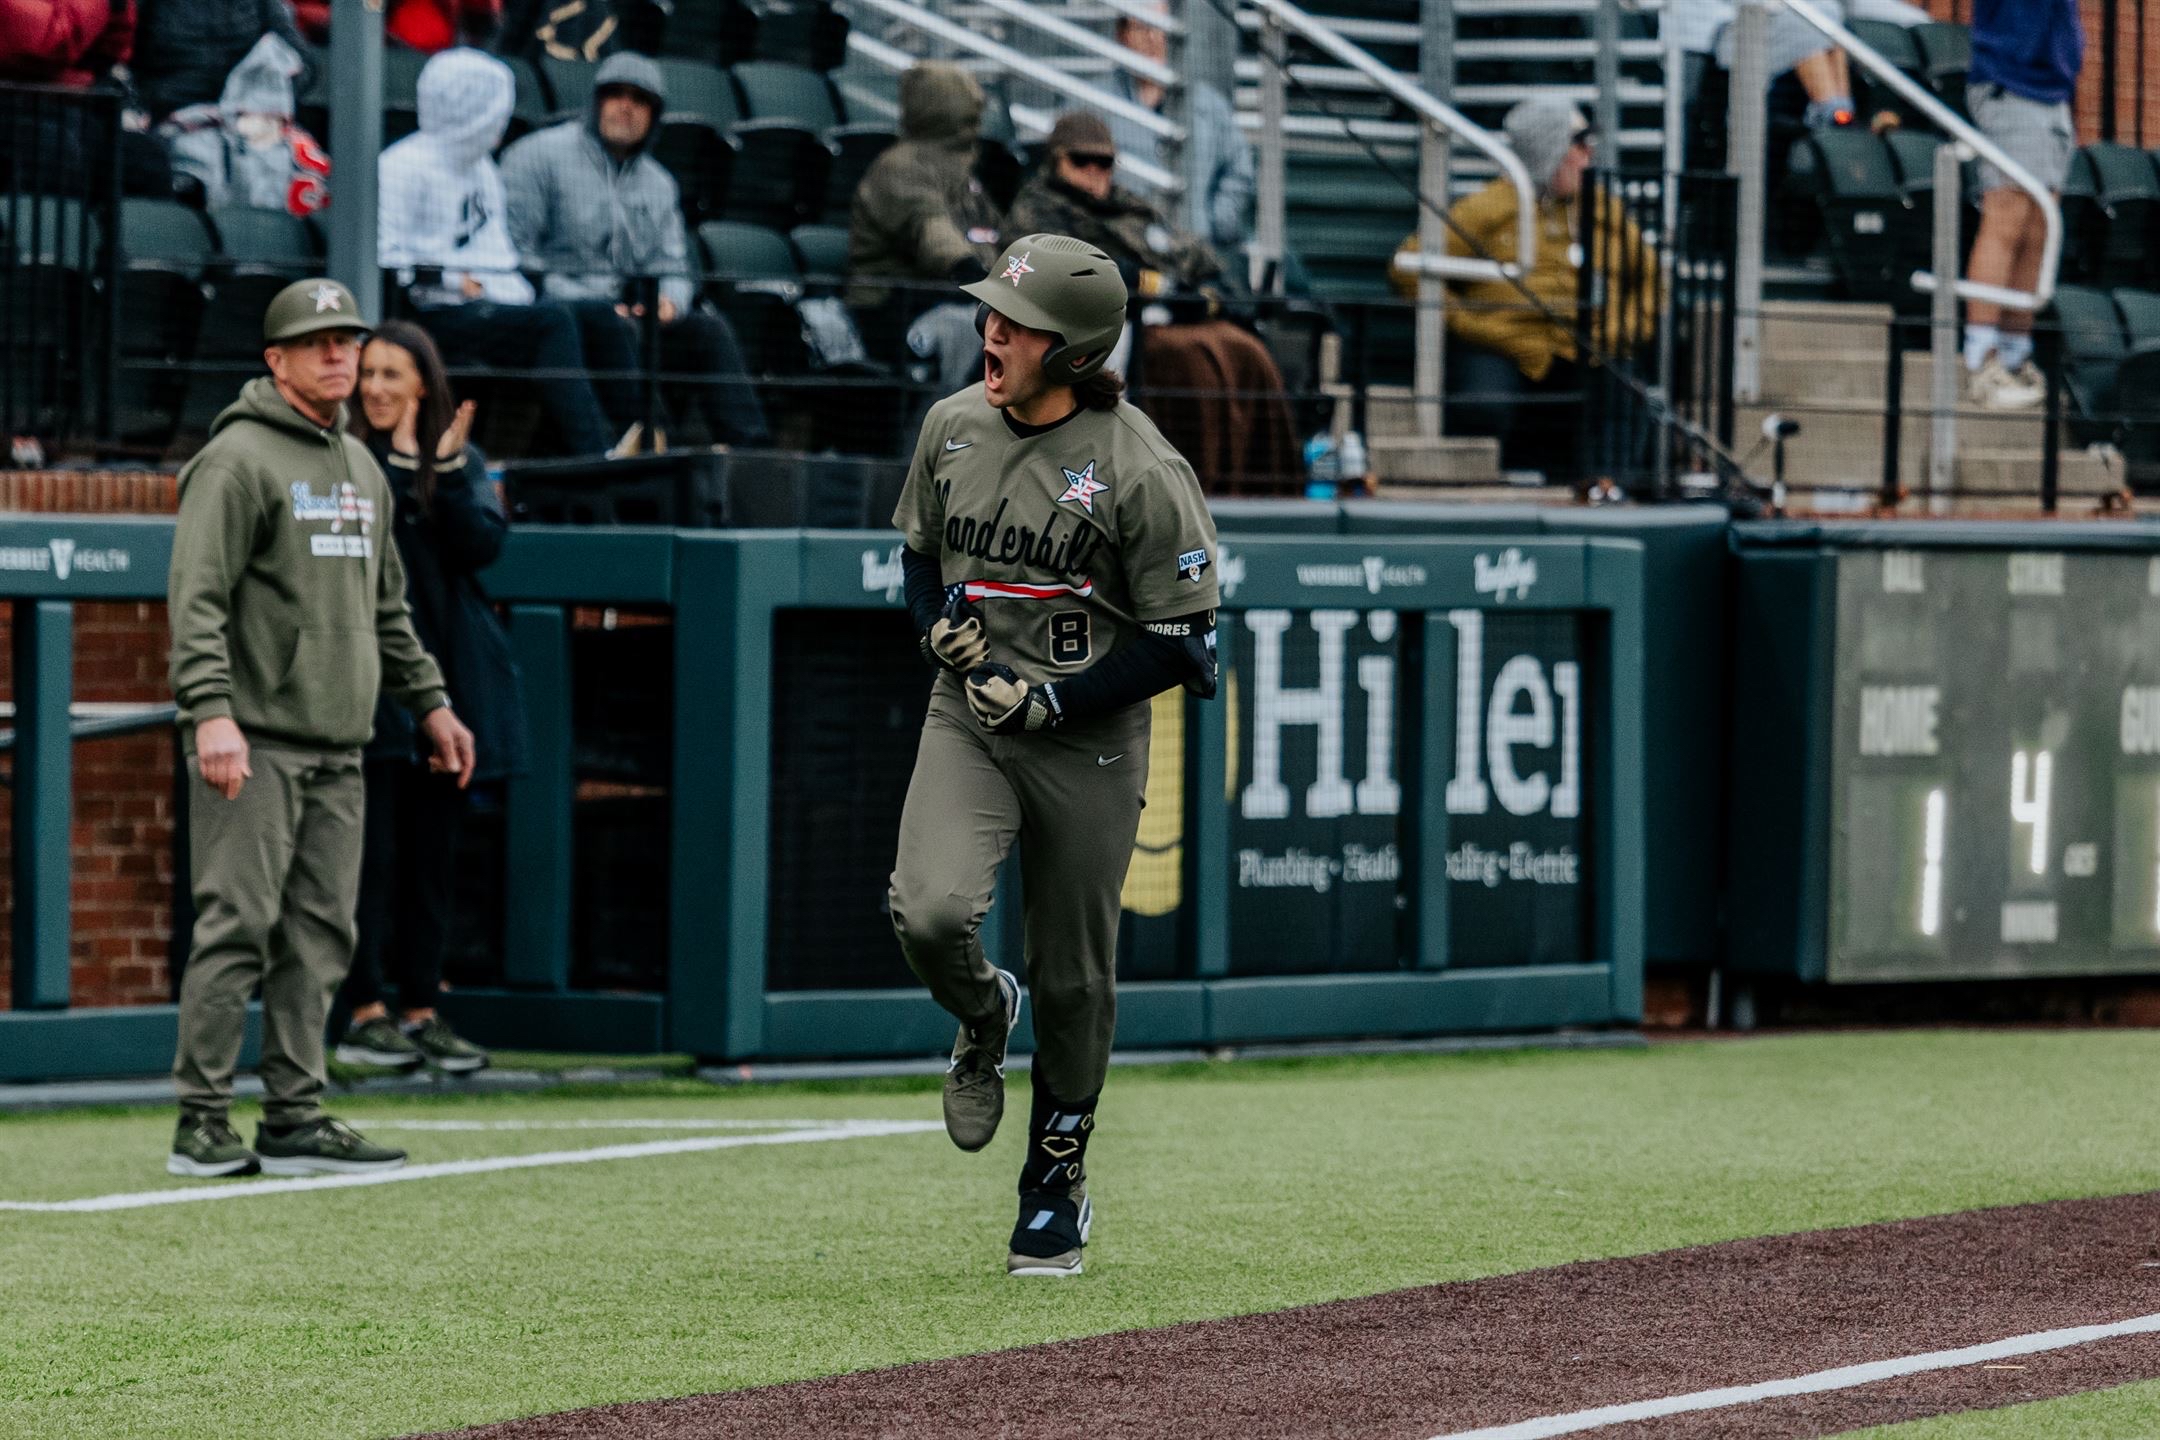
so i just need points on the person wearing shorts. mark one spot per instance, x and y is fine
(2026, 55)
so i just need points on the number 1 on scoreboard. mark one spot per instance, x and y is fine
(1931, 866)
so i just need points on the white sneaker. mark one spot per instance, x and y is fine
(1993, 387)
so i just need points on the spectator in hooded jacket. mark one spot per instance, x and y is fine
(184, 49)
(441, 206)
(920, 215)
(1512, 368)
(591, 210)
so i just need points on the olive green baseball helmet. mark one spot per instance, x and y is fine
(1064, 286)
(306, 306)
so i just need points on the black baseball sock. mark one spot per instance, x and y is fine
(1058, 1132)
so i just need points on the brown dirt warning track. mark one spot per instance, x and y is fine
(1444, 1359)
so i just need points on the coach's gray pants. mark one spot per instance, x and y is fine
(1072, 798)
(276, 877)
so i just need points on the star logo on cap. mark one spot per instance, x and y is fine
(1081, 485)
(326, 297)
(1015, 267)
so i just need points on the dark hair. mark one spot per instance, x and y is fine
(437, 404)
(1101, 390)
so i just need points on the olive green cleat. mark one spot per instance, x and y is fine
(975, 1080)
(1050, 1233)
(379, 1042)
(322, 1146)
(205, 1146)
(444, 1048)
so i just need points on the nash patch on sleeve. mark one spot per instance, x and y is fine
(1191, 563)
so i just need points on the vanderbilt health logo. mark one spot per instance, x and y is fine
(1497, 576)
(1371, 574)
(61, 557)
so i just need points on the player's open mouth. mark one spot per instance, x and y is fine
(993, 369)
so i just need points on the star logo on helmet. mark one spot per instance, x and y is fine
(1081, 485)
(1016, 266)
(326, 297)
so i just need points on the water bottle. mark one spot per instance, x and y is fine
(1351, 464)
(1322, 467)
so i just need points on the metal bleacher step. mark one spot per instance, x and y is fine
(1823, 325)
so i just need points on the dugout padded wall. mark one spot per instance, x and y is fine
(779, 787)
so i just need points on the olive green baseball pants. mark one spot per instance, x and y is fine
(276, 876)
(1072, 798)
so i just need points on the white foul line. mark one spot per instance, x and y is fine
(247, 1189)
(388, 1123)
(1844, 1377)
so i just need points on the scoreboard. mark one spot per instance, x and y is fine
(1971, 765)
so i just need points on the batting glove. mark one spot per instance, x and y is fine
(956, 640)
(1004, 704)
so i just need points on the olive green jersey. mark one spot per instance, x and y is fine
(1067, 540)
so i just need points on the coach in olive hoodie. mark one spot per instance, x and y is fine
(288, 612)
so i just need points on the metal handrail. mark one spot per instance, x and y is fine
(1444, 117)
(1043, 74)
(1080, 39)
(1037, 122)
(1964, 133)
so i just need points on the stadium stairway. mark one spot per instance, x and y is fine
(1826, 365)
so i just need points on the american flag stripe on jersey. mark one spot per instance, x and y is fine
(999, 590)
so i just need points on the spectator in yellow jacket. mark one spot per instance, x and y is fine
(1512, 367)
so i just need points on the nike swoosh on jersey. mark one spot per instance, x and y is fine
(1099, 761)
(952, 445)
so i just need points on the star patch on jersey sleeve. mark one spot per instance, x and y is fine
(1081, 485)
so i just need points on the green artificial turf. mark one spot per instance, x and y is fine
(2119, 1414)
(1220, 1189)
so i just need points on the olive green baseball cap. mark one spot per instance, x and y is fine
(306, 306)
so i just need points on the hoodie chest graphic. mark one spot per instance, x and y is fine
(348, 514)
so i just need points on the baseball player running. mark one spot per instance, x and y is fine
(1059, 571)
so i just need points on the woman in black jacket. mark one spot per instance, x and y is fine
(449, 526)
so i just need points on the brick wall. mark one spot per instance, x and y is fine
(122, 835)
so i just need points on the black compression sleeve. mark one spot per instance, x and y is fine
(1161, 657)
(1126, 676)
(924, 587)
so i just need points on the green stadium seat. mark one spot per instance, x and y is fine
(2088, 328)
(752, 276)
(856, 148)
(823, 251)
(1854, 181)
(780, 175)
(696, 91)
(701, 159)
(166, 253)
(774, 90)
(2127, 192)
(1945, 57)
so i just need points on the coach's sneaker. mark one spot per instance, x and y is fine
(322, 1146)
(379, 1042)
(1051, 1230)
(207, 1145)
(444, 1048)
(975, 1080)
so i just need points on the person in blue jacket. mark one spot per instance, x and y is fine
(450, 525)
